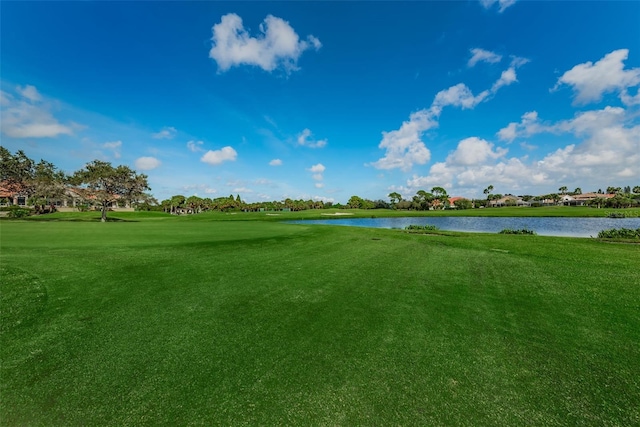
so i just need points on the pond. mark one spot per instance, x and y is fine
(565, 227)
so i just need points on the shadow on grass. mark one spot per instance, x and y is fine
(62, 219)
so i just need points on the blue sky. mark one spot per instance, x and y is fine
(325, 100)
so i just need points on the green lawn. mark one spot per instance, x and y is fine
(548, 211)
(159, 320)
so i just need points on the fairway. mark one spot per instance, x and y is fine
(196, 321)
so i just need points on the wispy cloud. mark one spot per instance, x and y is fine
(305, 139)
(481, 55)
(115, 147)
(502, 4)
(27, 115)
(195, 146)
(166, 133)
(275, 162)
(404, 147)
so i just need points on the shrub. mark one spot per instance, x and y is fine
(522, 231)
(18, 212)
(627, 214)
(421, 227)
(620, 233)
(616, 215)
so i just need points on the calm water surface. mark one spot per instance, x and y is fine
(566, 227)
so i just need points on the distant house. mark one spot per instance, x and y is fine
(584, 199)
(11, 197)
(72, 200)
(509, 200)
(453, 200)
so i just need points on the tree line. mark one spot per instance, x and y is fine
(103, 184)
(100, 183)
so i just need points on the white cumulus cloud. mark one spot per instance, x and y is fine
(473, 151)
(590, 81)
(319, 168)
(278, 45)
(404, 147)
(529, 125)
(275, 162)
(608, 146)
(147, 163)
(216, 157)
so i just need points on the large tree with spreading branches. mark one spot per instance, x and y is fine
(108, 184)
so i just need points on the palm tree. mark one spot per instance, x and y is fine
(577, 191)
(488, 191)
(441, 194)
(563, 190)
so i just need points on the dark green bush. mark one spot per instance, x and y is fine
(620, 233)
(421, 227)
(522, 231)
(18, 212)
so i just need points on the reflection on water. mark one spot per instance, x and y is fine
(568, 227)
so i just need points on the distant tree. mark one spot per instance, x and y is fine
(37, 182)
(627, 190)
(487, 191)
(16, 170)
(463, 204)
(108, 184)
(404, 204)
(195, 203)
(441, 194)
(636, 189)
(146, 202)
(395, 198)
(563, 190)
(578, 190)
(613, 190)
(46, 184)
(423, 200)
(355, 202)
(381, 204)
(177, 202)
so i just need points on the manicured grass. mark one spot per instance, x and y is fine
(549, 211)
(160, 320)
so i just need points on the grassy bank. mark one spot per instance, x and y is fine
(549, 211)
(156, 319)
